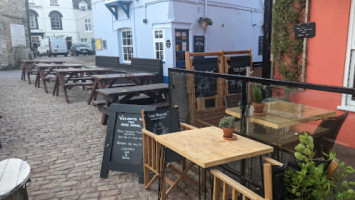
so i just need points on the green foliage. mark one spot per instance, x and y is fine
(287, 51)
(205, 19)
(227, 122)
(311, 181)
(257, 94)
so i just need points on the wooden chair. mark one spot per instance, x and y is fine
(324, 136)
(152, 152)
(232, 100)
(238, 189)
(210, 116)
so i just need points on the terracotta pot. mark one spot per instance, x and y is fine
(228, 132)
(258, 107)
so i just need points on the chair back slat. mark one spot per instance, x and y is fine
(324, 142)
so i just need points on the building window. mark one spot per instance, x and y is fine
(88, 25)
(83, 6)
(104, 44)
(54, 2)
(33, 19)
(84, 40)
(56, 20)
(158, 41)
(348, 101)
(127, 45)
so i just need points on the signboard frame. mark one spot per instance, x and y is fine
(107, 163)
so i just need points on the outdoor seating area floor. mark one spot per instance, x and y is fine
(63, 143)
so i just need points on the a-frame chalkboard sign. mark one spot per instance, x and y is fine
(123, 149)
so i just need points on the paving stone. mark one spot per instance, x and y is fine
(63, 143)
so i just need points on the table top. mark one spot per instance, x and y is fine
(42, 61)
(51, 65)
(81, 70)
(14, 173)
(207, 148)
(132, 89)
(281, 114)
(122, 75)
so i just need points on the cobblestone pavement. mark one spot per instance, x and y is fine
(63, 143)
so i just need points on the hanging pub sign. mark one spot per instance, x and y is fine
(199, 43)
(305, 30)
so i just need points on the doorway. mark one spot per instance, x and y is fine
(181, 45)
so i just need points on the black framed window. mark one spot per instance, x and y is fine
(33, 19)
(56, 20)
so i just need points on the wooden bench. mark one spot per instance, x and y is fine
(158, 92)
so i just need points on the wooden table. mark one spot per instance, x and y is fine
(282, 114)
(207, 148)
(28, 65)
(14, 174)
(159, 92)
(107, 80)
(76, 76)
(43, 70)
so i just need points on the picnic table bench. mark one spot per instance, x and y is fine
(68, 78)
(109, 80)
(43, 70)
(28, 65)
(158, 92)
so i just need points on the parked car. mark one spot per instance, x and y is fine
(52, 46)
(80, 48)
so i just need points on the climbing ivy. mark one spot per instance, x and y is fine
(287, 51)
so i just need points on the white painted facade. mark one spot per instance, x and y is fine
(84, 23)
(43, 8)
(237, 25)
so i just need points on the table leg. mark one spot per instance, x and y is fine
(62, 84)
(37, 79)
(93, 91)
(56, 82)
(29, 77)
(43, 81)
(23, 77)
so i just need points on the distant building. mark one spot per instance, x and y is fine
(60, 18)
(83, 16)
(14, 33)
(166, 29)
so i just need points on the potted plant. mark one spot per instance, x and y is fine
(227, 125)
(205, 21)
(257, 101)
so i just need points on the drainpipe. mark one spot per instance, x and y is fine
(305, 43)
(206, 5)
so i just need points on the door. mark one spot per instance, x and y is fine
(93, 45)
(181, 45)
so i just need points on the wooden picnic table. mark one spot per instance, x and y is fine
(28, 65)
(108, 81)
(159, 92)
(76, 76)
(206, 148)
(43, 70)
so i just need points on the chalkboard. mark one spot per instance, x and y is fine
(161, 122)
(123, 145)
(305, 30)
(199, 43)
(205, 86)
(238, 65)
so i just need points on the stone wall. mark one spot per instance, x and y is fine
(12, 12)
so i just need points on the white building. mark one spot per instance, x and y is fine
(61, 18)
(83, 16)
(144, 28)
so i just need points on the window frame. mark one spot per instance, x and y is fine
(127, 46)
(347, 101)
(60, 16)
(33, 13)
(53, 3)
(88, 25)
(159, 40)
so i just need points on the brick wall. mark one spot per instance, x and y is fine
(12, 12)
